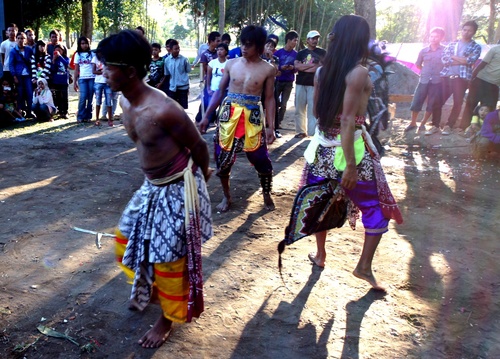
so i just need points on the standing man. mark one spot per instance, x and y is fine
(178, 68)
(30, 39)
(307, 62)
(286, 75)
(5, 48)
(458, 58)
(208, 55)
(241, 125)
(429, 87)
(483, 86)
(160, 233)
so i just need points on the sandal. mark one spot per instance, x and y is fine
(110, 123)
(97, 123)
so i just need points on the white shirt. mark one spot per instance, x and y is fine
(5, 48)
(98, 65)
(84, 61)
(217, 73)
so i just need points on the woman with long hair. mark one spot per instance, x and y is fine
(84, 79)
(341, 149)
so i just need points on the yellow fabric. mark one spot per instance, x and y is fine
(340, 162)
(120, 245)
(227, 129)
(173, 289)
(171, 282)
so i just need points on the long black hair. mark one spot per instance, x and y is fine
(346, 50)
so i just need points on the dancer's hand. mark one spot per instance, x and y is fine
(349, 178)
(270, 136)
(202, 125)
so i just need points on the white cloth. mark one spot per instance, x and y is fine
(318, 139)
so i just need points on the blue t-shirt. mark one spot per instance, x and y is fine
(234, 53)
(286, 58)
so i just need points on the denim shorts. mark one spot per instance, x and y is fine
(99, 88)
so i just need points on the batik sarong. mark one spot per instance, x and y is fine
(372, 186)
(166, 222)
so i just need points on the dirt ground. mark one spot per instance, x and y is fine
(441, 266)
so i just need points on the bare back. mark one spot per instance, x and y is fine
(159, 128)
(358, 90)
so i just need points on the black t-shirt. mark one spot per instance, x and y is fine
(307, 56)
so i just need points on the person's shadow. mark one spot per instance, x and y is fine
(355, 311)
(283, 334)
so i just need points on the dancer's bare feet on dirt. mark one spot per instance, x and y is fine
(313, 257)
(268, 201)
(370, 278)
(224, 205)
(157, 335)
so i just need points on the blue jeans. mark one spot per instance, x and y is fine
(24, 94)
(41, 111)
(86, 88)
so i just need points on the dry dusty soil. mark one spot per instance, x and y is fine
(441, 266)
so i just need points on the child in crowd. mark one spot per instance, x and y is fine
(156, 74)
(8, 104)
(215, 70)
(43, 103)
(84, 79)
(178, 68)
(100, 87)
(480, 113)
(40, 63)
(60, 79)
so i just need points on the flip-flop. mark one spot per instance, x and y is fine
(97, 123)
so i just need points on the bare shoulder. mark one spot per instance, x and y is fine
(358, 75)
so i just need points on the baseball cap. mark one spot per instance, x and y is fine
(312, 33)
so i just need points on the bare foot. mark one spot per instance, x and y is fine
(315, 260)
(157, 335)
(268, 201)
(224, 205)
(370, 278)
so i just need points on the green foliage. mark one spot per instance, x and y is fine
(405, 25)
(116, 15)
(180, 32)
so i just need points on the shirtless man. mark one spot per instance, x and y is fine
(159, 236)
(241, 125)
(342, 89)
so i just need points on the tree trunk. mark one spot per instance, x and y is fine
(491, 22)
(451, 22)
(222, 16)
(366, 8)
(87, 19)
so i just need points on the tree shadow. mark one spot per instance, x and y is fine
(282, 334)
